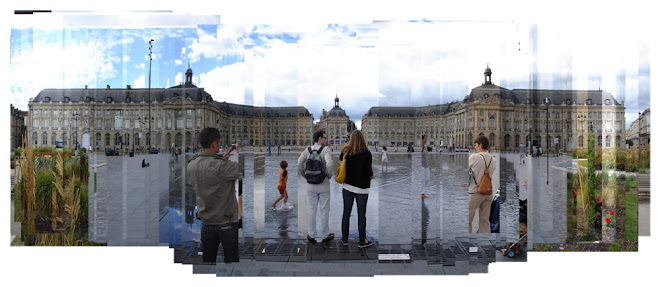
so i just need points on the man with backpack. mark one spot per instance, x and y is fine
(315, 164)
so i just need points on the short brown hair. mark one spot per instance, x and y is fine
(483, 141)
(284, 164)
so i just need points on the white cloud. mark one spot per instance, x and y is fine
(225, 83)
(178, 79)
(139, 82)
(224, 42)
(54, 65)
(178, 62)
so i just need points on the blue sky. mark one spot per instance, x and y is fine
(380, 63)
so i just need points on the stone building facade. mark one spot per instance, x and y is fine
(336, 124)
(639, 132)
(18, 129)
(506, 117)
(119, 119)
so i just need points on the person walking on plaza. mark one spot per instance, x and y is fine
(478, 163)
(426, 173)
(522, 153)
(383, 159)
(315, 164)
(356, 186)
(213, 178)
(281, 185)
(279, 148)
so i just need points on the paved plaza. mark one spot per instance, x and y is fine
(156, 206)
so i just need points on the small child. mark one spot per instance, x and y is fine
(383, 159)
(281, 185)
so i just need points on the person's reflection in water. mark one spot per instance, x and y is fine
(425, 219)
(284, 224)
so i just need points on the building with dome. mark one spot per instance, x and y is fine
(119, 119)
(506, 117)
(336, 124)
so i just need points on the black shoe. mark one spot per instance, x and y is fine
(330, 237)
(365, 244)
(345, 243)
(312, 240)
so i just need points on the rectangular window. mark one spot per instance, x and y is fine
(481, 124)
(618, 116)
(517, 125)
(66, 123)
(609, 115)
(107, 124)
(589, 114)
(618, 127)
(169, 124)
(117, 113)
(54, 124)
(568, 115)
(55, 112)
(517, 114)
(107, 113)
(35, 123)
(608, 126)
(98, 113)
(189, 123)
(558, 126)
(160, 124)
(98, 123)
(556, 115)
(199, 122)
(127, 123)
(66, 113)
(179, 123)
(189, 112)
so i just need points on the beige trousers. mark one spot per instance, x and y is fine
(481, 202)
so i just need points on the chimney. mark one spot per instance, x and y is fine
(108, 87)
(128, 87)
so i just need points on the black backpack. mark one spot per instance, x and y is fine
(314, 167)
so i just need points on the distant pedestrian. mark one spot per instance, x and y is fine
(315, 164)
(425, 172)
(478, 163)
(356, 186)
(522, 153)
(383, 159)
(279, 148)
(281, 185)
(269, 147)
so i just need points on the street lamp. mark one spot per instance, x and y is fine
(547, 140)
(149, 92)
(75, 125)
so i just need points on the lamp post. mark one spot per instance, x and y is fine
(547, 140)
(75, 126)
(149, 92)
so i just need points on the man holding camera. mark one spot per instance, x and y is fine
(213, 178)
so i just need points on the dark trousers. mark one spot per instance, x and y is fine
(361, 200)
(213, 235)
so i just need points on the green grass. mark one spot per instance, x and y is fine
(631, 217)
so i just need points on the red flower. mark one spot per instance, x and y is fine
(612, 212)
(575, 193)
(607, 220)
(597, 199)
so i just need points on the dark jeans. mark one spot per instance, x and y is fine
(361, 200)
(213, 235)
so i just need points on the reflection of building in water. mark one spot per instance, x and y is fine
(189, 206)
(506, 117)
(640, 130)
(115, 118)
(336, 124)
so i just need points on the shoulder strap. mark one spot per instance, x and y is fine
(309, 148)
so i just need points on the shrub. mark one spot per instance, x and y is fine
(43, 192)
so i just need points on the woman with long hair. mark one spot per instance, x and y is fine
(356, 186)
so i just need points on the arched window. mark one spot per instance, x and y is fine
(98, 139)
(44, 139)
(136, 139)
(34, 138)
(53, 138)
(117, 139)
(492, 140)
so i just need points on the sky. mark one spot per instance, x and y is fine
(413, 62)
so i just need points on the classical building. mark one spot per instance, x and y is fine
(18, 128)
(336, 124)
(506, 117)
(640, 129)
(119, 119)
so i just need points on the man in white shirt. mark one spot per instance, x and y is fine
(318, 186)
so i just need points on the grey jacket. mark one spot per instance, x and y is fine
(213, 179)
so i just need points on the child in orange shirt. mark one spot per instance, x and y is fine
(281, 185)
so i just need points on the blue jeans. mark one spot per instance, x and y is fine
(361, 200)
(213, 235)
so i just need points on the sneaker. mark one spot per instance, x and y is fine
(330, 237)
(310, 239)
(366, 244)
(345, 243)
